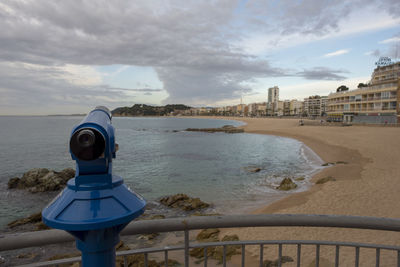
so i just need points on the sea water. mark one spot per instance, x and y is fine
(156, 158)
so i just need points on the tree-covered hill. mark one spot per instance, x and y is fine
(147, 110)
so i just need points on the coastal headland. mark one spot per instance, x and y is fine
(367, 184)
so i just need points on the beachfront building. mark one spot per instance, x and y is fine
(273, 99)
(286, 108)
(273, 94)
(315, 106)
(296, 107)
(278, 108)
(261, 109)
(376, 102)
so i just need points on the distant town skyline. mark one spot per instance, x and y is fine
(66, 57)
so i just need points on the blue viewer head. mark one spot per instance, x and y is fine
(92, 143)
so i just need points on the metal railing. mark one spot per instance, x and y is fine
(23, 240)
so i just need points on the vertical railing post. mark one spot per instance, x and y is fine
(378, 255)
(166, 258)
(186, 248)
(244, 255)
(337, 256)
(357, 260)
(298, 255)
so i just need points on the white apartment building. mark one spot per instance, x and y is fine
(315, 106)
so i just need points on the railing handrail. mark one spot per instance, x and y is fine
(30, 239)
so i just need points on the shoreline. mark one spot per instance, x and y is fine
(326, 152)
(366, 186)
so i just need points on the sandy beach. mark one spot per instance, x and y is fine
(366, 186)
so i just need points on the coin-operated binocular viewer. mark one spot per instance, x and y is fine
(96, 205)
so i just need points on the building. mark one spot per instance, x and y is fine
(286, 108)
(315, 106)
(273, 98)
(296, 107)
(278, 108)
(273, 94)
(375, 103)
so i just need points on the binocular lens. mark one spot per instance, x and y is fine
(87, 144)
(86, 138)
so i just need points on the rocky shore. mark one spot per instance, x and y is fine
(223, 129)
(42, 180)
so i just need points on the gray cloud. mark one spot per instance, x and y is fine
(322, 73)
(25, 88)
(145, 90)
(187, 42)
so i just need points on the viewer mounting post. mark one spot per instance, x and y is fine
(96, 205)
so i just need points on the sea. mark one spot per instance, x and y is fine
(156, 158)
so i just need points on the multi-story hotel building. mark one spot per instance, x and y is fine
(375, 103)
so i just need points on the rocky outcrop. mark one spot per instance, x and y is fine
(34, 218)
(287, 184)
(42, 180)
(208, 235)
(34, 221)
(252, 169)
(224, 129)
(184, 202)
(216, 253)
(275, 263)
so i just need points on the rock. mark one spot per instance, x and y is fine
(224, 129)
(252, 169)
(328, 164)
(230, 238)
(300, 178)
(66, 174)
(183, 202)
(208, 235)
(27, 256)
(275, 263)
(42, 180)
(148, 236)
(41, 226)
(287, 184)
(34, 218)
(325, 179)
(216, 253)
(13, 183)
(121, 246)
(31, 177)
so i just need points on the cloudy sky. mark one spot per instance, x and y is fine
(63, 57)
